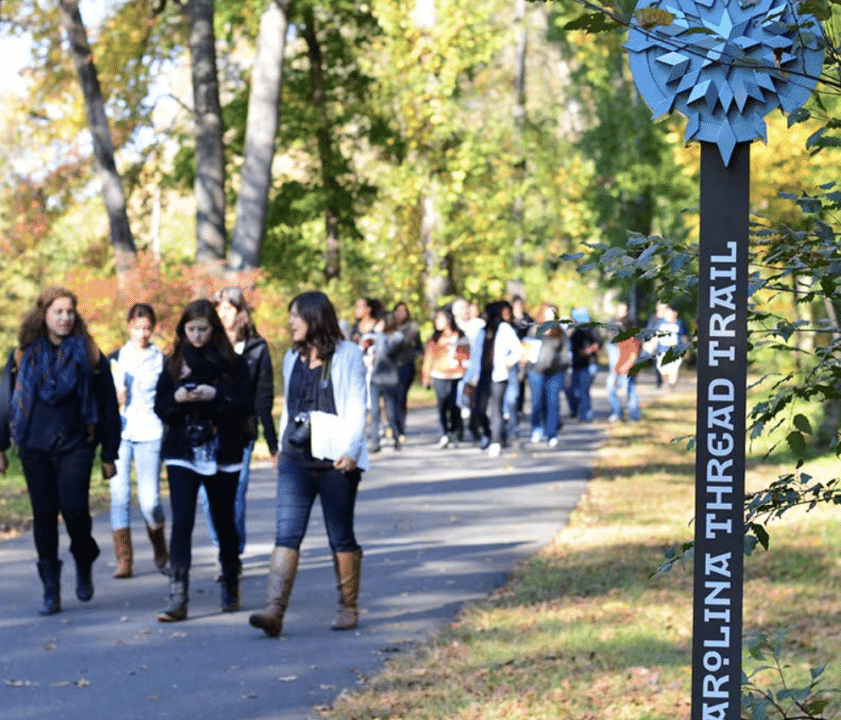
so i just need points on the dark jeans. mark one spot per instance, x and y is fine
(449, 413)
(297, 486)
(406, 376)
(61, 483)
(486, 418)
(389, 394)
(221, 490)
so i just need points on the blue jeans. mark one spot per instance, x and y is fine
(509, 402)
(578, 393)
(628, 385)
(297, 486)
(389, 393)
(147, 468)
(546, 402)
(239, 503)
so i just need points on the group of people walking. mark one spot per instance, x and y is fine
(195, 411)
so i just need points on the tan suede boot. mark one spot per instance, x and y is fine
(348, 568)
(124, 552)
(158, 538)
(282, 571)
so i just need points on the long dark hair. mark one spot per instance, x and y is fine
(142, 310)
(451, 323)
(218, 344)
(493, 319)
(34, 323)
(323, 331)
(244, 327)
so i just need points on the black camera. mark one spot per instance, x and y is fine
(300, 433)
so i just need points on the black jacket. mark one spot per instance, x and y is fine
(59, 428)
(229, 412)
(256, 354)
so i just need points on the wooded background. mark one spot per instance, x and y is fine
(403, 150)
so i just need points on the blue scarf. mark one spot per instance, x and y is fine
(53, 374)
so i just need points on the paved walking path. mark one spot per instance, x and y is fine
(438, 528)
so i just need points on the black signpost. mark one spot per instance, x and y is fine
(720, 438)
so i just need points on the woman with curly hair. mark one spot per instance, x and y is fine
(57, 403)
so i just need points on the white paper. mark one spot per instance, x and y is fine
(329, 435)
(531, 347)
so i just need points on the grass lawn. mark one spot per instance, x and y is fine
(583, 631)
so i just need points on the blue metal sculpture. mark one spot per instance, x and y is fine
(724, 64)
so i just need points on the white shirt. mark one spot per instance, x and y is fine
(137, 372)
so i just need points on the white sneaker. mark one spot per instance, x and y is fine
(494, 450)
(613, 418)
(553, 442)
(536, 435)
(443, 442)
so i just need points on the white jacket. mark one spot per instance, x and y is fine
(507, 352)
(350, 393)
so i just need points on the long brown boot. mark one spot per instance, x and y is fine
(124, 552)
(158, 539)
(284, 567)
(348, 567)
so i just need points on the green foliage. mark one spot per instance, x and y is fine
(785, 701)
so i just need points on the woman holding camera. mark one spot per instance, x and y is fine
(204, 399)
(57, 403)
(322, 372)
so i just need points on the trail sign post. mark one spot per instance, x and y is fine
(724, 64)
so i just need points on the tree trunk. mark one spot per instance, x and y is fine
(332, 244)
(438, 280)
(520, 53)
(260, 136)
(210, 160)
(103, 145)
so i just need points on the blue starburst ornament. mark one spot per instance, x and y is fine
(724, 64)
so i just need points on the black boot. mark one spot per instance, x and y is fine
(230, 587)
(84, 578)
(179, 587)
(50, 572)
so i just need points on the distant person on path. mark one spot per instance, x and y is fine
(57, 403)
(410, 350)
(521, 322)
(322, 372)
(546, 374)
(671, 332)
(385, 379)
(470, 325)
(204, 399)
(136, 368)
(621, 361)
(444, 360)
(495, 351)
(235, 315)
(584, 349)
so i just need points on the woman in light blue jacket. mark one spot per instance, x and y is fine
(322, 373)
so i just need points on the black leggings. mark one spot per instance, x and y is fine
(61, 483)
(449, 415)
(221, 491)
